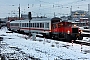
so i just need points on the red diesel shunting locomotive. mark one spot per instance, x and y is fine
(66, 30)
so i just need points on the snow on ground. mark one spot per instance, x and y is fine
(42, 48)
(85, 33)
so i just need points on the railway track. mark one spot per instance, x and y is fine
(82, 42)
(74, 41)
(77, 42)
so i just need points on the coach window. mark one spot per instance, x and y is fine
(31, 24)
(15, 24)
(46, 25)
(11, 24)
(22, 24)
(27, 24)
(38, 25)
(41, 25)
(35, 25)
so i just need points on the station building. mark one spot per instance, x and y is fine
(79, 15)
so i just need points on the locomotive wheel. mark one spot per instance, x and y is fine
(68, 37)
(74, 38)
(49, 36)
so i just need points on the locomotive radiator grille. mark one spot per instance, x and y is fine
(74, 30)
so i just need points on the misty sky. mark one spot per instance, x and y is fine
(46, 8)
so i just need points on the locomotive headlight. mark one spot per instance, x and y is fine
(75, 25)
(80, 31)
(68, 32)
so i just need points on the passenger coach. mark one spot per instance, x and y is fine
(37, 25)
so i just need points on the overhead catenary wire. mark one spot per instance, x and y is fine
(42, 6)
